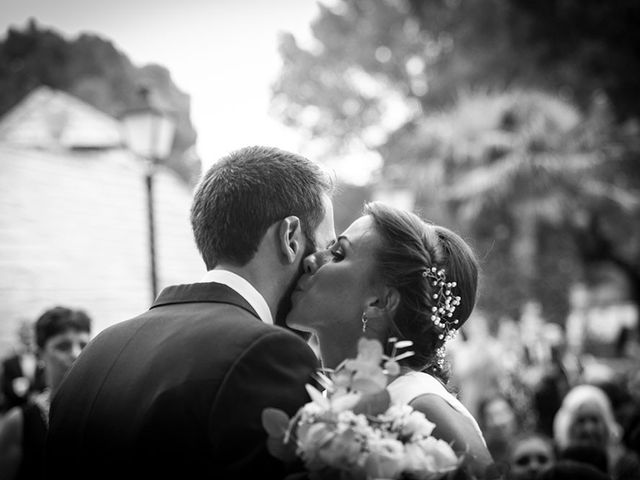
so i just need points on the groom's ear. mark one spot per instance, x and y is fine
(290, 238)
(385, 302)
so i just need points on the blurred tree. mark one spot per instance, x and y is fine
(438, 88)
(373, 65)
(92, 69)
(348, 202)
(584, 46)
(518, 169)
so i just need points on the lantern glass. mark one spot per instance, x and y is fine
(149, 133)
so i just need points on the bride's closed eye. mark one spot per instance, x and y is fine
(337, 255)
(337, 252)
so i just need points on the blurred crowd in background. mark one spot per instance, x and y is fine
(514, 123)
(543, 394)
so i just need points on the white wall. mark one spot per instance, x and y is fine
(73, 231)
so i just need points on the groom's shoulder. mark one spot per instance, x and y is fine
(225, 324)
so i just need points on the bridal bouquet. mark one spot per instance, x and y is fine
(353, 431)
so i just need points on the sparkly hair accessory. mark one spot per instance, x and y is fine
(444, 305)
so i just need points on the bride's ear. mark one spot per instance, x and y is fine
(384, 303)
(290, 238)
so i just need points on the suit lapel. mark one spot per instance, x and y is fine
(209, 292)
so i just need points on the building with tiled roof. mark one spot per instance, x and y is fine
(73, 217)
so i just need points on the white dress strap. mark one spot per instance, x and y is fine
(408, 387)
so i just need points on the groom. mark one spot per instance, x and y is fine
(178, 391)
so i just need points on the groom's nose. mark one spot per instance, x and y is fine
(310, 264)
(314, 261)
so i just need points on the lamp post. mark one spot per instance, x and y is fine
(149, 132)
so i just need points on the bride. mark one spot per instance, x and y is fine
(390, 274)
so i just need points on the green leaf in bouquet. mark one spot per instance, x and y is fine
(275, 422)
(373, 404)
(281, 450)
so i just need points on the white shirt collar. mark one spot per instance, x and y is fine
(244, 289)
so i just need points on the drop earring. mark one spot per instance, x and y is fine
(364, 322)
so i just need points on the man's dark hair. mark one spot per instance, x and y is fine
(244, 193)
(59, 320)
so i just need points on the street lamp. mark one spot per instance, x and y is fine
(149, 132)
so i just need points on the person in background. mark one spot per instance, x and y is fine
(530, 454)
(22, 373)
(499, 424)
(61, 334)
(553, 383)
(586, 418)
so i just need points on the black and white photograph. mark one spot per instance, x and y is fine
(320, 240)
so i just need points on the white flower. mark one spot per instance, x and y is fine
(366, 374)
(392, 367)
(386, 458)
(311, 410)
(353, 429)
(20, 386)
(348, 419)
(438, 454)
(341, 403)
(396, 413)
(344, 451)
(416, 460)
(317, 397)
(416, 425)
(311, 438)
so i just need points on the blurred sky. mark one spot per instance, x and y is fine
(221, 52)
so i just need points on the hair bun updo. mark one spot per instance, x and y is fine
(410, 247)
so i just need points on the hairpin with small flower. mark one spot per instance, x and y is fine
(443, 302)
(443, 307)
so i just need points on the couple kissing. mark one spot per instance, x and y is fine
(178, 391)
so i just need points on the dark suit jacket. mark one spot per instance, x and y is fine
(178, 392)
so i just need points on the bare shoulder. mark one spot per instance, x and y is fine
(452, 427)
(450, 424)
